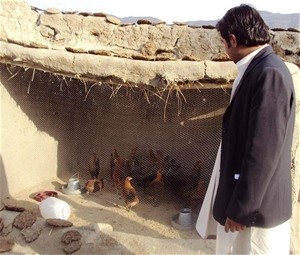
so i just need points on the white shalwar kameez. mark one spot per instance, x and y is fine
(252, 240)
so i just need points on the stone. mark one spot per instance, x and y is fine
(85, 14)
(99, 14)
(144, 22)
(113, 20)
(52, 11)
(71, 12)
(75, 50)
(177, 23)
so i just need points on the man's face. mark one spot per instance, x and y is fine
(229, 49)
(227, 46)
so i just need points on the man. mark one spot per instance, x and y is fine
(250, 188)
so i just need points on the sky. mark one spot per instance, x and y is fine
(167, 10)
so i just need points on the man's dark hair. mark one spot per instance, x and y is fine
(246, 24)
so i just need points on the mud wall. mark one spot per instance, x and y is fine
(28, 155)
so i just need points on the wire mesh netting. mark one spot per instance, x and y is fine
(166, 140)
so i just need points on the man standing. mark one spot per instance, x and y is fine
(250, 188)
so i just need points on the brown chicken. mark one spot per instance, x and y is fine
(112, 165)
(152, 158)
(137, 168)
(155, 188)
(130, 194)
(192, 179)
(118, 168)
(94, 166)
(195, 196)
(133, 153)
(179, 181)
(153, 163)
(94, 185)
(132, 161)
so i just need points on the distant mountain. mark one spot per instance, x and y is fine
(277, 20)
(273, 20)
(131, 19)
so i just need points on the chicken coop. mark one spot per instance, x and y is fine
(178, 130)
(83, 94)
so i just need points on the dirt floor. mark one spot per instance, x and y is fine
(106, 226)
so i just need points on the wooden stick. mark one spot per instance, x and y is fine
(51, 230)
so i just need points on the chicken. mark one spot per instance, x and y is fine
(155, 187)
(195, 196)
(133, 153)
(94, 185)
(173, 177)
(152, 159)
(130, 194)
(194, 176)
(132, 161)
(154, 162)
(135, 167)
(118, 171)
(112, 165)
(94, 166)
(190, 181)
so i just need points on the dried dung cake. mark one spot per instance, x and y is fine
(30, 234)
(72, 247)
(24, 220)
(70, 236)
(6, 244)
(59, 223)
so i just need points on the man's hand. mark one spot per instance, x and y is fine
(233, 226)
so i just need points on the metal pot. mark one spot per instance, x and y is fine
(73, 183)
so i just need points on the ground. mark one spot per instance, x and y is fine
(107, 228)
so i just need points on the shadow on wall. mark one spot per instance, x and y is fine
(4, 192)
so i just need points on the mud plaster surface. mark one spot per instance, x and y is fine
(107, 228)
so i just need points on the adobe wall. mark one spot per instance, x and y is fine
(28, 156)
(97, 47)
